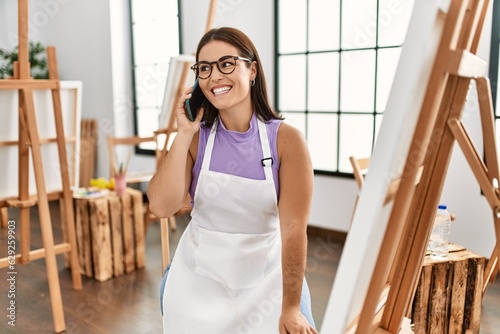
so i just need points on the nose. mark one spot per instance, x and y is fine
(216, 73)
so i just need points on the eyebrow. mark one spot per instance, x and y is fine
(208, 61)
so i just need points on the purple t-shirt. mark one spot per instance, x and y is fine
(238, 153)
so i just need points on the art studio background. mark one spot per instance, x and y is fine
(93, 44)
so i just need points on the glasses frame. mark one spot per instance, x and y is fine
(194, 67)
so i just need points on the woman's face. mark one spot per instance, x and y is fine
(227, 91)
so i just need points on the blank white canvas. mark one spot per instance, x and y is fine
(173, 80)
(370, 220)
(71, 97)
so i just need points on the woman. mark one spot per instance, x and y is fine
(239, 266)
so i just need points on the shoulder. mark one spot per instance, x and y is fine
(289, 135)
(290, 139)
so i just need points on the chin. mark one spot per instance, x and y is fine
(222, 106)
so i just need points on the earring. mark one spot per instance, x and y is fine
(252, 82)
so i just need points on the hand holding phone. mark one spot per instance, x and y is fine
(194, 103)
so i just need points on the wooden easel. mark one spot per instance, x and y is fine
(29, 142)
(168, 131)
(421, 184)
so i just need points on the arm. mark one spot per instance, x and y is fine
(168, 188)
(296, 188)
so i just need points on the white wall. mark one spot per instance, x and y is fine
(82, 33)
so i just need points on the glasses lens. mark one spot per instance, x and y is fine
(203, 69)
(226, 65)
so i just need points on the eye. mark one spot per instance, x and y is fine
(226, 64)
(204, 67)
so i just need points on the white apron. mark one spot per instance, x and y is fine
(226, 274)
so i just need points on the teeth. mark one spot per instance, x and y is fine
(221, 90)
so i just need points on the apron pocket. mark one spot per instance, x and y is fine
(233, 259)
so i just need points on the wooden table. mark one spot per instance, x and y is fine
(449, 294)
(110, 234)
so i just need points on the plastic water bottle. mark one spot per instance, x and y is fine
(438, 243)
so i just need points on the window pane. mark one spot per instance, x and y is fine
(359, 24)
(154, 10)
(356, 133)
(323, 83)
(324, 25)
(322, 140)
(357, 81)
(393, 20)
(149, 85)
(378, 122)
(149, 48)
(341, 85)
(297, 120)
(292, 77)
(386, 69)
(147, 121)
(155, 39)
(292, 26)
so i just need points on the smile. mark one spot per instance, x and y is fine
(221, 90)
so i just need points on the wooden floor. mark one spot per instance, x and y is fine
(130, 303)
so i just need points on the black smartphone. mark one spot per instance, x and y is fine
(194, 103)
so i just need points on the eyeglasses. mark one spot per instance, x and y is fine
(226, 65)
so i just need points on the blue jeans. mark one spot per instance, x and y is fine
(305, 299)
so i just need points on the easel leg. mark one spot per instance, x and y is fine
(3, 217)
(491, 269)
(490, 155)
(44, 213)
(23, 182)
(67, 201)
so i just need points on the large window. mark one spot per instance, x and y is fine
(155, 38)
(335, 65)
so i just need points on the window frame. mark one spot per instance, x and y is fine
(138, 149)
(374, 112)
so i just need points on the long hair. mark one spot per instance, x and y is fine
(246, 48)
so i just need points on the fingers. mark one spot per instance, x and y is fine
(184, 97)
(181, 103)
(311, 330)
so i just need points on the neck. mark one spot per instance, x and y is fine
(237, 119)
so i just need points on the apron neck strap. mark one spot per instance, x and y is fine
(266, 161)
(210, 145)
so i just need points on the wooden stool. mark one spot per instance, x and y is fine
(449, 294)
(110, 234)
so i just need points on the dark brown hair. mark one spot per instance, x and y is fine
(246, 49)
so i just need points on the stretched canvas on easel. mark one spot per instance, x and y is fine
(173, 83)
(71, 97)
(386, 165)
